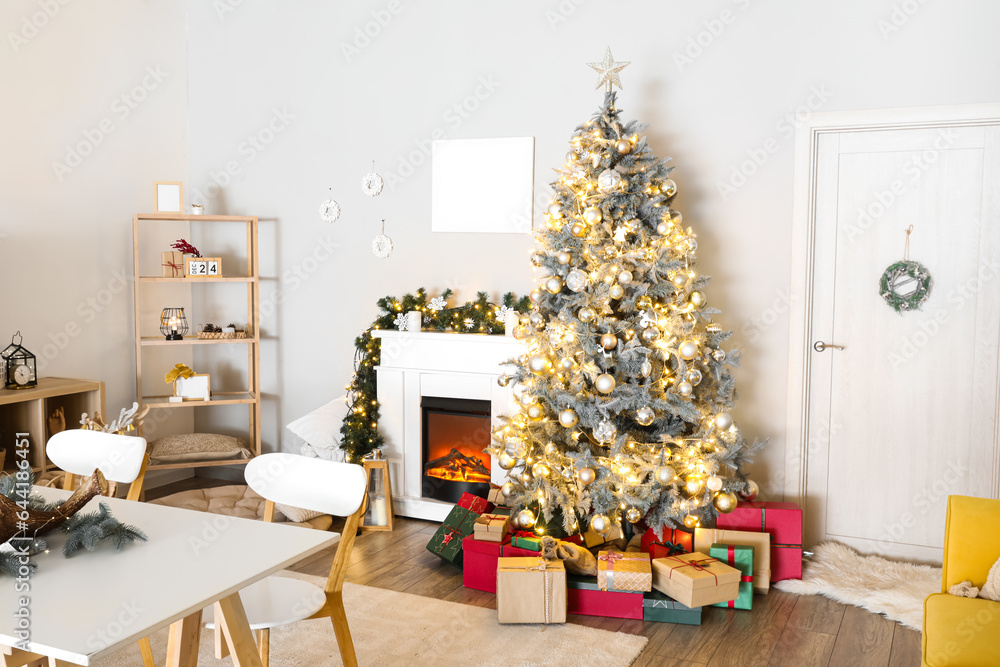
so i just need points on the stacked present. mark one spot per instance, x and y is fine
(459, 524)
(739, 557)
(783, 524)
(660, 608)
(531, 590)
(696, 580)
(670, 542)
(624, 571)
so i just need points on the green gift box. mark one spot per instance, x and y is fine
(447, 540)
(664, 609)
(741, 557)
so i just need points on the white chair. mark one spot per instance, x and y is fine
(314, 484)
(121, 458)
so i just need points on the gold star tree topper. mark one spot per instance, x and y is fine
(608, 69)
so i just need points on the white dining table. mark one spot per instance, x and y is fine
(91, 604)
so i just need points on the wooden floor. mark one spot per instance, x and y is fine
(783, 630)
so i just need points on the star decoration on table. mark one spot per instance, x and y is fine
(609, 69)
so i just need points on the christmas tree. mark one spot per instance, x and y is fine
(625, 390)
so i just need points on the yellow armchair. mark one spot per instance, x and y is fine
(963, 631)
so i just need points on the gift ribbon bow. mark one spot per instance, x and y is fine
(696, 563)
(731, 558)
(672, 548)
(171, 265)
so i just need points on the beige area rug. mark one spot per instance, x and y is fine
(881, 586)
(391, 628)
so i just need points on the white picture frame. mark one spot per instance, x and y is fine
(168, 196)
(194, 388)
(482, 185)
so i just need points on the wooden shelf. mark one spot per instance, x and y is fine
(186, 217)
(198, 464)
(194, 340)
(218, 398)
(189, 281)
(47, 388)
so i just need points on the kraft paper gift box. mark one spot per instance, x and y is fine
(783, 522)
(479, 567)
(704, 538)
(491, 527)
(695, 580)
(171, 264)
(531, 590)
(495, 497)
(592, 538)
(447, 540)
(624, 571)
(740, 557)
(673, 541)
(586, 598)
(662, 609)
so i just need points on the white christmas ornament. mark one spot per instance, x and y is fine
(382, 244)
(576, 280)
(372, 183)
(329, 211)
(438, 303)
(605, 431)
(609, 180)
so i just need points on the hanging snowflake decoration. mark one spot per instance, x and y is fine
(372, 184)
(329, 211)
(469, 323)
(400, 321)
(437, 303)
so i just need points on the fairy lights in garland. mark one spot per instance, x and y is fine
(359, 431)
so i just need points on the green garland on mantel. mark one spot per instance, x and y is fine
(360, 428)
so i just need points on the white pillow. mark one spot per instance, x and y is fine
(321, 427)
(297, 514)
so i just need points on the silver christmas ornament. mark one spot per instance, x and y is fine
(723, 420)
(616, 292)
(650, 334)
(668, 187)
(576, 280)
(685, 389)
(609, 180)
(662, 228)
(646, 368)
(714, 483)
(719, 355)
(605, 383)
(566, 364)
(664, 475)
(605, 431)
(693, 376)
(625, 277)
(592, 215)
(645, 416)
(568, 418)
(536, 319)
(526, 399)
(751, 491)
(713, 328)
(688, 350)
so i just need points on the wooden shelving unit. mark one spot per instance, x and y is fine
(28, 411)
(250, 396)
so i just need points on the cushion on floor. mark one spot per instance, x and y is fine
(236, 500)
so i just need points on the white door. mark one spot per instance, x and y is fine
(884, 430)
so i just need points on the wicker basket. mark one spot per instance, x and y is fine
(204, 335)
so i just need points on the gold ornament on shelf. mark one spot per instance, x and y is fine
(633, 515)
(664, 475)
(586, 476)
(568, 418)
(725, 502)
(605, 383)
(645, 416)
(609, 341)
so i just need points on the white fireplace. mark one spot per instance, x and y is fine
(422, 364)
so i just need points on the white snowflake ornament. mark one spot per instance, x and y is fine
(502, 313)
(400, 321)
(437, 303)
(469, 323)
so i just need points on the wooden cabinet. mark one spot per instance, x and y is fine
(240, 234)
(27, 411)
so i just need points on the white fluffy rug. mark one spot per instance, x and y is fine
(391, 628)
(870, 582)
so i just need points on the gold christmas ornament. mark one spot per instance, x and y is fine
(645, 416)
(586, 476)
(526, 399)
(633, 515)
(625, 277)
(535, 295)
(723, 420)
(539, 364)
(688, 350)
(601, 524)
(519, 332)
(691, 521)
(535, 412)
(623, 146)
(719, 355)
(679, 279)
(609, 341)
(537, 259)
(685, 389)
(566, 364)
(526, 518)
(540, 470)
(507, 489)
(694, 486)
(563, 257)
(550, 449)
(586, 314)
(697, 299)
(555, 211)
(668, 187)
(505, 460)
(553, 285)
(568, 418)
(713, 328)
(751, 491)
(650, 334)
(664, 475)
(616, 291)
(725, 502)
(592, 215)
(643, 303)
(605, 383)
(714, 483)
(536, 319)
(662, 228)
(579, 230)
(676, 218)
(504, 380)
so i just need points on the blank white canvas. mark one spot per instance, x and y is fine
(482, 185)
(168, 198)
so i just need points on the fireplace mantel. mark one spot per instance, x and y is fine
(448, 365)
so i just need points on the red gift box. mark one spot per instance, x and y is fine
(475, 503)
(480, 564)
(674, 541)
(584, 597)
(783, 522)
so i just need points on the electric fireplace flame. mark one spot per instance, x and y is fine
(455, 434)
(457, 467)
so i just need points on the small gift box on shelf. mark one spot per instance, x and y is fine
(783, 522)
(447, 540)
(491, 527)
(674, 541)
(171, 264)
(740, 557)
(704, 538)
(474, 503)
(586, 598)
(479, 569)
(663, 609)
(695, 580)
(624, 571)
(531, 590)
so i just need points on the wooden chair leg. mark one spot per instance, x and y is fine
(264, 645)
(182, 641)
(221, 645)
(147, 652)
(232, 618)
(340, 628)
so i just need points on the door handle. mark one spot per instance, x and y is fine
(819, 346)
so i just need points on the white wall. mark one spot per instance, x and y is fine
(337, 111)
(94, 110)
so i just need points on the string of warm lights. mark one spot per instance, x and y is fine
(624, 392)
(359, 430)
